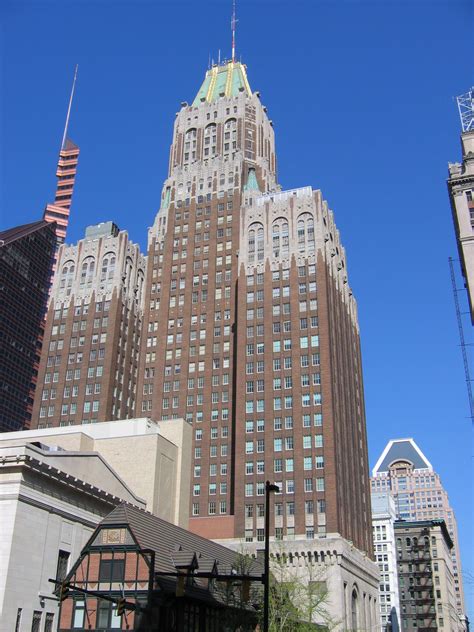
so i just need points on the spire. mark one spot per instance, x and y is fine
(66, 170)
(233, 24)
(69, 108)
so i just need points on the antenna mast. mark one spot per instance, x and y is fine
(69, 107)
(466, 110)
(233, 23)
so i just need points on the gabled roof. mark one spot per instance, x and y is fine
(225, 80)
(12, 234)
(171, 543)
(401, 450)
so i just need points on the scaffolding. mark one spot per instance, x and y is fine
(464, 345)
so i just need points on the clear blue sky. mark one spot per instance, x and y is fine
(361, 95)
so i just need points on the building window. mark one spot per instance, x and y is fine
(61, 569)
(107, 616)
(111, 571)
(48, 623)
(36, 621)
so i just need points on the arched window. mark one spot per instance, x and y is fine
(230, 136)
(251, 245)
(408, 542)
(87, 270)
(108, 267)
(276, 239)
(305, 232)
(260, 244)
(67, 274)
(128, 273)
(210, 140)
(256, 242)
(190, 144)
(280, 237)
(354, 610)
(140, 282)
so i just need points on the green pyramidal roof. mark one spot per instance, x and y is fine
(226, 80)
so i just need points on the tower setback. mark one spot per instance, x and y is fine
(88, 367)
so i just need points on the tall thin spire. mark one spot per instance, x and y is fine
(66, 170)
(69, 107)
(233, 23)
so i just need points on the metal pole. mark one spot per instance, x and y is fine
(269, 487)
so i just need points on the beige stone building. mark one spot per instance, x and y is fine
(152, 459)
(461, 194)
(51, 501)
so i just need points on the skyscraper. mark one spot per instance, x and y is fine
(251, 332)
(26, 254)
(461, 194)
(89, 363)
(405, 471)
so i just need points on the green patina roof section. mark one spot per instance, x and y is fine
(166, 199)
(251, 184)
(226, 80)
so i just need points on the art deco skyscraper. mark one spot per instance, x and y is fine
(251, 330)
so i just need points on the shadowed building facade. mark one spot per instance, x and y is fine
(26, 256)
(251, 332)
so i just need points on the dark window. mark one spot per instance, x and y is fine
(61, 570)
(18, 619)
(48, 623)
(36, 621)
(112, 570)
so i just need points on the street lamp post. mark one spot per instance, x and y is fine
(269, 487)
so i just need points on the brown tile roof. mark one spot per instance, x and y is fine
(171, 542)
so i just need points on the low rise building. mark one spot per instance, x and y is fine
(171, 578)
(57, 484)
(346, 578)
(151, 458)
(51, 500)
(426, 579)
(383, 520)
